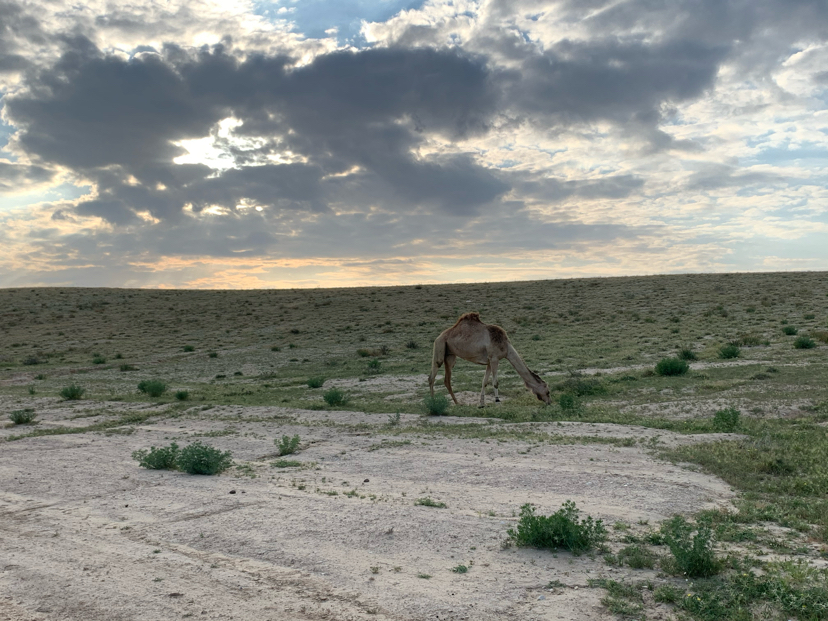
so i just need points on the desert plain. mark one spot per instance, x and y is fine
(385, 511)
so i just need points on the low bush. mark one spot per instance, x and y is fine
(693, 554)
(428, 502)
(182, 395)
(162, 458)
(412, 345)
(153, 388)
(98, 359)
(316, 382)
(198, 458)
(726, 420)
(213, 354)
(335, 397)
(790, 330)
(436, 405)
(31, 360)
(731, 350)
(686, 353)
(72, 392)
(374, 365)
(563, 529)
(672, 366)
(22, 417)
(287, 445)
(285, 463)
(188, 348)
(126, 367)
(804, 342)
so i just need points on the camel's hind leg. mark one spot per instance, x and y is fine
(450, 360)
(437, 359)
(483, 389)
(493, 364)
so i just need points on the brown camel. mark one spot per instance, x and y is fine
(475, 341)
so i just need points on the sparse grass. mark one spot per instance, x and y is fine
(286, 463)
(72, 392)
(436, 405)
(686, 353)
(126, 367)
(98, 359)
(637, 557)
(23, 417)
(188, 348)
(731, 350)
(287, 445)
(568, 402)
(563, 529)
(152, 388)
(672, 366)
(428, 502)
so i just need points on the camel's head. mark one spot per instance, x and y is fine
(540, 389)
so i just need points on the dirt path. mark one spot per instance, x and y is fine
(86, 534)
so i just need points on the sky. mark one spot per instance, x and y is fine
(317, 143)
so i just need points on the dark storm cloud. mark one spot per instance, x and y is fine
(557, 190)
(16, 28)
(611, 80)
(112, 118)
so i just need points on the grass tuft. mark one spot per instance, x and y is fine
(436, 405)
(22, 417)
(72, 392)
(335, 397)
(672, 366)
(287, 445)
(153, 388)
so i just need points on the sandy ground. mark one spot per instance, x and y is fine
(85, 534)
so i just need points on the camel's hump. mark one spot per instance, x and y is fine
(469, 317)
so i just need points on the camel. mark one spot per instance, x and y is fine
(475, 341)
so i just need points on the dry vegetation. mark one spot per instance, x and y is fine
(738, 444)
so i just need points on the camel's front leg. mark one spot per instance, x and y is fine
(493, 364)
(483, 390)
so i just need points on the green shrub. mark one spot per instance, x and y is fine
(72, 392)
(287, 445)
(804, 342)
(562, 529)
(672, 366)
(182, 395)
(316, 382)
(687, 353)
(213, 354)
(126, 367)
(153, 388)
(31, 360)
(582, 386)
(790, 330)
(731, 350)
(334, 397)
(412, 345)
(460, 569)
(22, 417)
(163, 458)
(374, 365)
(637, 557)
(198, 458)
(692, 554)
(568, 402)
(188, 348)
(98, 359)
(428, 502)
(726, 420)
(436, 405)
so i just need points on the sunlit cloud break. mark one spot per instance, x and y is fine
(215, 144)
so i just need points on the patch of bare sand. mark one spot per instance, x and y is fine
(88, 535)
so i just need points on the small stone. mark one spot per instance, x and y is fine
(126, 505)
(367, 481)
(232, 491)
(540, 597)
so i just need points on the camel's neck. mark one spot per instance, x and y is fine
(520, 366)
